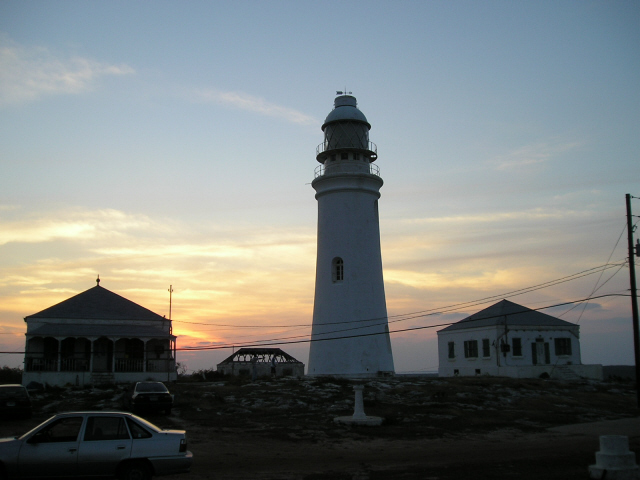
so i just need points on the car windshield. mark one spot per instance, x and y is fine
(11, 390)
(151, 388)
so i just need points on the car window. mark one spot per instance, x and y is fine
(62, 430)
(136, 430)
(11, 389)
(151, 388)
(13, 392)
(106, 428)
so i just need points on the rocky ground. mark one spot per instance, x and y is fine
(455, 428)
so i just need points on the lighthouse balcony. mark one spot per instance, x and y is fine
(365, 148)
(348, 166)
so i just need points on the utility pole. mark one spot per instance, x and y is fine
(634, 294)
(170, 331)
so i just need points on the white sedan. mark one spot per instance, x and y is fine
(95, 444)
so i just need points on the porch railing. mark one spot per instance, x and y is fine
(41, 365)
(129, 364)
(82, 365)
(74, 365)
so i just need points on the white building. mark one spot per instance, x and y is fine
(350, 333)
(507, 339)
(98, 337)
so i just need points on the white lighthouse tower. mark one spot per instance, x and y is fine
(350, 334)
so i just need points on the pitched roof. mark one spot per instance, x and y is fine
(98, 303)
(263, 355)
(508, 313)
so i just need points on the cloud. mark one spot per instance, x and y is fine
(258, 105)
(533, 154)
(80, 225)
(460, 278)
(530, 215)
(29, 73)
(241, 272)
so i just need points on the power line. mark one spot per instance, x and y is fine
(276, 341)
(447, 308)
(412, 315)
(429, 312)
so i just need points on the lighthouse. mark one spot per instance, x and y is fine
(350, 333)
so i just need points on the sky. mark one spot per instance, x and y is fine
(173, 143)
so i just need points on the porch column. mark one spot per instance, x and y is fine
(113, 355)
(59, 354)
(91, 353)
(144, 355)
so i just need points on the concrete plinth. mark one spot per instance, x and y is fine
(614, 461)
(359, 417)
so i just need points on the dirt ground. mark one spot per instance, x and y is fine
(438, 429)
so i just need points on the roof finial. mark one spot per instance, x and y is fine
(98, 280)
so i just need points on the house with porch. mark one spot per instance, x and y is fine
(507, 339)
(98, 337)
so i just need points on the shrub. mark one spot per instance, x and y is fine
(10, 375)
(206, 375)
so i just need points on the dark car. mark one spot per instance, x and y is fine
(95, 444)
(145, 396)
(15, 401)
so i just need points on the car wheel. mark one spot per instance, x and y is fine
(135, 471)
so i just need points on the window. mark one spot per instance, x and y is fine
(136, 430)
(356, 156)
(106, 428)
(337, 270)
(452, 350)
(456, 372)
(563, 346)
(63, 430)
(151, 387)
(517, 347)
(486, 347)
(478, 371)
(344, 156)
(471, 349)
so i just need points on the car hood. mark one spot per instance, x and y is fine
(8, 440)
(9, 448)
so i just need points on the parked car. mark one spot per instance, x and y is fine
(15, 401)
(95, 444)
(144, 396)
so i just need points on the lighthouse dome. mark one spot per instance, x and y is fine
(345, 108)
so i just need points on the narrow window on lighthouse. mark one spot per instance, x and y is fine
(337, 270)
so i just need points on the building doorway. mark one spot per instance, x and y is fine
(540, 353)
